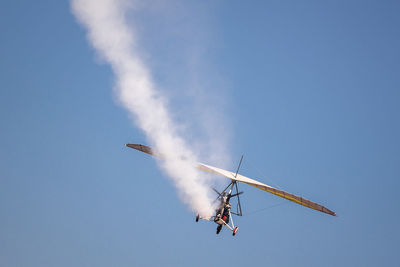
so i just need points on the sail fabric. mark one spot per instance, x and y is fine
(243, 179)
(267, 188)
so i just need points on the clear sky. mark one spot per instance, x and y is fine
(308, 91)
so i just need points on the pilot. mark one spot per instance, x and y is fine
(225, 214)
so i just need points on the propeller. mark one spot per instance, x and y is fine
(216, 191)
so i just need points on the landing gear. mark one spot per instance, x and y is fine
(197, 217)
(235, 231)
(219, 229)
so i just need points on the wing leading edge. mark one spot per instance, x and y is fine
(246, 180)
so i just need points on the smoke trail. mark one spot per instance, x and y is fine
(114, 40)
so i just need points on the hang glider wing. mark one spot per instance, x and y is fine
(143, 148)
(269, 189)
(246, 180)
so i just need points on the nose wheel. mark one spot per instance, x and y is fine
(197, 217)
(235, 231)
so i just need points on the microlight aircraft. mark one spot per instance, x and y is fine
(223, 213)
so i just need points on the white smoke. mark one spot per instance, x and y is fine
(114, 41)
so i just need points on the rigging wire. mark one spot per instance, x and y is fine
(271, 183)
(266, 208)
(269, 180)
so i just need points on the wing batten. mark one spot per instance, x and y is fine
(240, 178)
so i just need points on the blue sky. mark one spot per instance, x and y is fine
(309, 93)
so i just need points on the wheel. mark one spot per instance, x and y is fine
(219, 229)
(197, 217)
(235, 231)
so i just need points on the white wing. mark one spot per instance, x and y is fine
(269, 189)
(246, 180)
